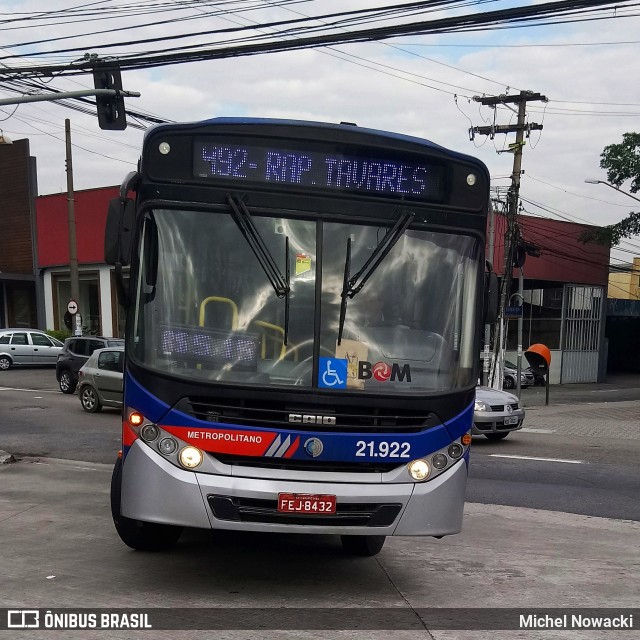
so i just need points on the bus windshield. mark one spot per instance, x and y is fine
(205, 308)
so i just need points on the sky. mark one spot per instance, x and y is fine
(416, 85)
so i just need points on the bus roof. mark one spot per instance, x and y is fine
(346, 126)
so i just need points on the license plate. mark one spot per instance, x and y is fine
(512, 420)
(308, 503)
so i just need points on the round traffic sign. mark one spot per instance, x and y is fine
(72, 307)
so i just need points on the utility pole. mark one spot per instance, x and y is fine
(71, 215)
(512, 234)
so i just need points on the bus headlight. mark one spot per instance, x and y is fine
(439, 461)
(149, 432)
(167, 446)
(190, 457)
(419, 469)
(455, 450)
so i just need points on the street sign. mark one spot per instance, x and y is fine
(512, 312)
(78, 329)
(72, 307)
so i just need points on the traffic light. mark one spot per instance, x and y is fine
(111, 113)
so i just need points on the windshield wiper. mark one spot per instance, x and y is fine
(352, 285)
(281, 284)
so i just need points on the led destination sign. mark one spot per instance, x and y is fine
(324, 170)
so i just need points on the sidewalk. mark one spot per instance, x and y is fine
(60, 550)
(619, 387)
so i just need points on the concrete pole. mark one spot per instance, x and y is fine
(520, 326)
(487, 327)
(73, 256)
(512, 213)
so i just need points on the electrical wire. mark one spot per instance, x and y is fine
(559, 12)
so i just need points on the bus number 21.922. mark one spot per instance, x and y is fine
(383, 449)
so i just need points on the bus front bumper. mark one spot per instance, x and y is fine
(154, 490)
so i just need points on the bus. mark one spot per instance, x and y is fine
(304, 304)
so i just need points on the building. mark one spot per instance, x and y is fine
(624, 282)
(21, 302)
(564, 297)
(97, 304)
(623, 318)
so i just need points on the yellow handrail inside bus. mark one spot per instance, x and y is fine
(277, 329)
(229, 301)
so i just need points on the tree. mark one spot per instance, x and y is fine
(622, 162)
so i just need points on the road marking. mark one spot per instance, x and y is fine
(31, 390)
(502, 455)
(534, 430)
(71, 466)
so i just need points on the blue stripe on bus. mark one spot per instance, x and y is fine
(344, 447)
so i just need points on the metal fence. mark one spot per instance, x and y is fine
(582, 318)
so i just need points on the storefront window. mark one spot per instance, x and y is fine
(88, 304)
(21, 304)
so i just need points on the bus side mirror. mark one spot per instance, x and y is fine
(118, 238)
(491, 297)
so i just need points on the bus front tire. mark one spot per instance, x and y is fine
(139, 535)
(362, 545)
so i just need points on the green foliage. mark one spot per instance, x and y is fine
(622, 161)
(61, 335)
(626, 228)
(614, 233)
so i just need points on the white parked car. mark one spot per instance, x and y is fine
(496, 413)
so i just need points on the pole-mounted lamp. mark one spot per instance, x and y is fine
(594, 181)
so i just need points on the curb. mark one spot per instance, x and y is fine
(64, 461)
(6, 458)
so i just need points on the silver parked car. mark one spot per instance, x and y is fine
(496, 413)
(100, 379)
(27, 347)
(511, 376)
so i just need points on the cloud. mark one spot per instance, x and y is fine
(378, 86)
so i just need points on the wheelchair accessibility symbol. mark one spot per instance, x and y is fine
(332, 373)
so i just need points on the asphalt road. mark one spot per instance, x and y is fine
(588, 475)
(592, 476)
(37, 419)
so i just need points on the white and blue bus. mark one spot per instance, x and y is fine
(304, 306)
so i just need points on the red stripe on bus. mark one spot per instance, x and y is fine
(128, 434)
(245, 443)
(293, 448)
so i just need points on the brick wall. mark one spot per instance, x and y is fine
(16, 252)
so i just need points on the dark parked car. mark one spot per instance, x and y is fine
(74, 354)
(100, 379)
(27, 347)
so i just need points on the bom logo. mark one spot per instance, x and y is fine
(383, 371)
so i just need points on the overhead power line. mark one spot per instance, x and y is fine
(560, 11)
